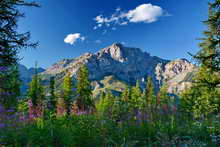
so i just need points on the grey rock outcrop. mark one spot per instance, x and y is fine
(177, 74)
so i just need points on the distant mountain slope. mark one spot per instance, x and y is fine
(26, 75)
(125, 65)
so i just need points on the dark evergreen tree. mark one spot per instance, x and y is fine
(149, 94)
(126, 95)
(209, 55)
(68, 91)
(84, 91)
(136, 97)
(124, 104)
(52, 99)
(11, 89)
(105, 105)
(203, 97)
(36, 89)
(162, 96)
(11, 41)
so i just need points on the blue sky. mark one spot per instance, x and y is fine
(165, 28)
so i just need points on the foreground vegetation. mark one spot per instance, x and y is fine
(90, 130)
(72, 117)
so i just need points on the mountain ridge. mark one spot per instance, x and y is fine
(125, 64)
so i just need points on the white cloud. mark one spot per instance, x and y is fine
(72, 38)
(100, 19)
(145, 13)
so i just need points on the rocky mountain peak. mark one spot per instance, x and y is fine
(126, 64)
(115, 51)
(120, 53)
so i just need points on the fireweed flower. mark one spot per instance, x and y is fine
(35, 111)
(31, 110)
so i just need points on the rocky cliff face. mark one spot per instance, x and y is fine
(126, 65)
(177, 74)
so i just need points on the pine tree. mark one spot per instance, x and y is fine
(100, 106)
(136, 97)
(209, 55)
(149, 94)
(68, 91)
(52, 99)
(199, 101)
(36, 90)
(105, 105)
(162, 96)
(126, 95)
(203, 97)
(10, 44)
(15, 83)
(124, 104)
(11, 88)
(84, 91)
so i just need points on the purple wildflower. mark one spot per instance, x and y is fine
(10, 110)
(3, 68)
(2, 109)
(81, 113)
(2, 125)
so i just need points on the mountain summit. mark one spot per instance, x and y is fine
(124, 63)
(120, 65)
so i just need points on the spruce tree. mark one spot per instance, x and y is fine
(124, 104)
(15, 83)
(68, 91)
(36, 89)
(209, 55)
(52, 99)
(162, 96)
(126, 95)
(84, 91)
(105, 104)
(11, 41)
(149, 94)
(136, 97)
(204, 92)
(11, 89)
(101, 103)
